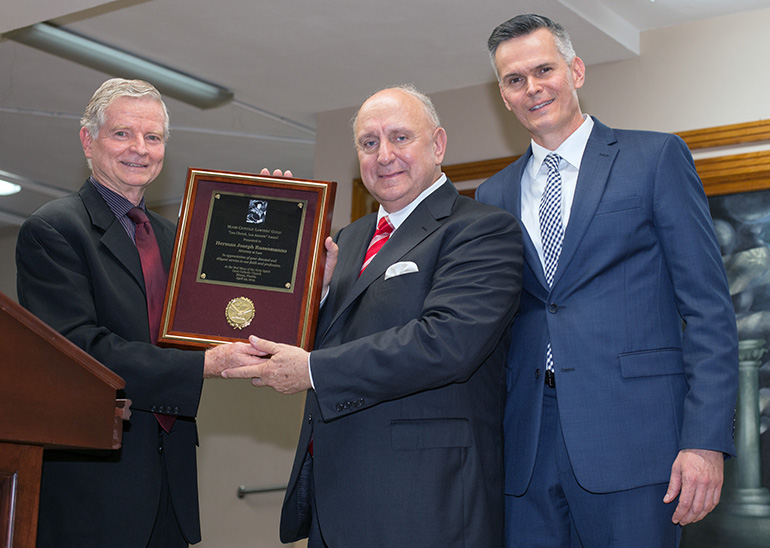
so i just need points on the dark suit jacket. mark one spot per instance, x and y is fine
(639, 260)
(80, 272)
(408, 371)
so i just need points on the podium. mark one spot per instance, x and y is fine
(52, 395)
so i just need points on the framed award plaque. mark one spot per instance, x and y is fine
(248, 260)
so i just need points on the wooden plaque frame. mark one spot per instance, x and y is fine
(202, 309)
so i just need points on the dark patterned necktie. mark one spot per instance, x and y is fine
(551, 228)
(155, 278)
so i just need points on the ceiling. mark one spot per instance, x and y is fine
(284, 61)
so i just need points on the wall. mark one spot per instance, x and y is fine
(688, 77)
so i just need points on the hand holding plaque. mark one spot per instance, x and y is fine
(249, 259)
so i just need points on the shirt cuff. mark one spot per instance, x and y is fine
(310, 371)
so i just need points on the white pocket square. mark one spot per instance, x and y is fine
(397, 269)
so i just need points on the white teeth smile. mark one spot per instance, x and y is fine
(541, 105)
(133, 165)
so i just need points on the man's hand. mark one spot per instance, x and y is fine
(696, 476)
(225, 356)
(332, 250)
(284, 368)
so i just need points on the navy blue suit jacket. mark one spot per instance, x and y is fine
(79, 271)
(406, 418)
(639, 317)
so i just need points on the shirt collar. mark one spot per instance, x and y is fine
(117, 203)
(571, 150)
(400, 216)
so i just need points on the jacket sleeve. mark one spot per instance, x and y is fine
(709, 339)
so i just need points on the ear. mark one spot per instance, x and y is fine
(439, 144)
(86, 140)
(578, 72)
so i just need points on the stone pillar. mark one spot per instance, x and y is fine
(742, 518)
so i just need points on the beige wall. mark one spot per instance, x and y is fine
(694, 76)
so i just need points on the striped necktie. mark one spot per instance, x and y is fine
(381, 235)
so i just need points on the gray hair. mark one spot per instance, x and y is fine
(523, 25)
(109, 91)
(410, 89)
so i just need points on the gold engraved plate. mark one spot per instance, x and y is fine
(239, 312)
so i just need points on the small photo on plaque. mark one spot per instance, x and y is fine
(248, 259)
(244, 246)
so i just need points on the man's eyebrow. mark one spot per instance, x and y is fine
(535, 68)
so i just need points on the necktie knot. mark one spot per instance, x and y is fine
(384, 226)
(552, 162)
(140, 219)
(381, 235)
(137, 215)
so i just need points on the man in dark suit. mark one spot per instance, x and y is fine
(622, 375)
(401, 442)
(79, 270)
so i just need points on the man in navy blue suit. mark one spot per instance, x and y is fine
(622, 372)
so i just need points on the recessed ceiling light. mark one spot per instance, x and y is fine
(7, 188)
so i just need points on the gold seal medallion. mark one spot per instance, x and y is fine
(239, 312)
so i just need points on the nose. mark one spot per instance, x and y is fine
(385, 152)
(139, 146)
(533, 86)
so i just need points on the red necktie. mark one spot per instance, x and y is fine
(381, 235)
(155, 278)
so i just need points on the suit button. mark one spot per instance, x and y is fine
(553, 308)
(537, 373)
(176, 410)
(361, 402)
(160, 450)
(309, 419)
(153, 409)
(339, 407)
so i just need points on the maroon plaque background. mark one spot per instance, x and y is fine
(194, 311)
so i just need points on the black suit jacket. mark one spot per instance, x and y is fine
(80, 272)
(408, 371)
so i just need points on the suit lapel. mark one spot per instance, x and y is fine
(114, 236)
(594, 173)
(512, 201)
(422, 222)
